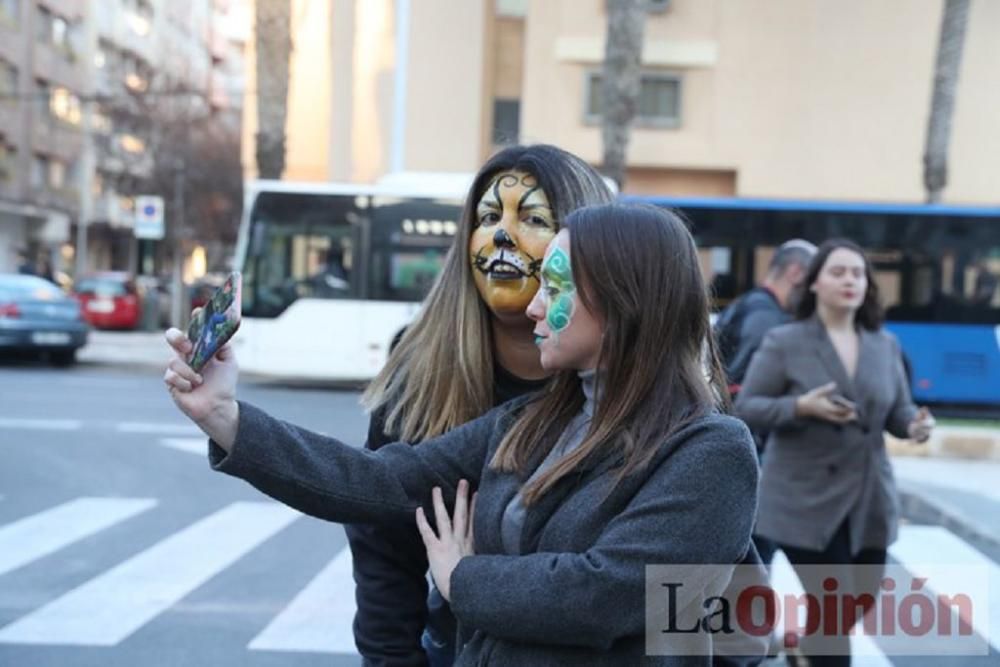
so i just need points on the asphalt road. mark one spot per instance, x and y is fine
(119, 546)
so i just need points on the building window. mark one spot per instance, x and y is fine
(512, 8)
(659, 100)
(9, 12)
(139, 16)
(39, 171)
(64, 105)
(56, 31)
(8, 159)
(506, 121)
(8, 78)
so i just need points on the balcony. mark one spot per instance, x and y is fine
(53, 137)
(70, 9)
(113, 159)
(10, 122)
(127, 31)
(66, 198)
(11, 39)
(60, 67)
(108, 207)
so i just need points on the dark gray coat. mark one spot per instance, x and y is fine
(576, 594)
(817, 473)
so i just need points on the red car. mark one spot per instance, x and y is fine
(110, 300)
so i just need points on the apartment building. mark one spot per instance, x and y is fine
(765, 98)
(77, 78)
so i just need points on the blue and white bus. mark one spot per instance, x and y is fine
(937, 266)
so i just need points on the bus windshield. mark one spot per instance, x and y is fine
(342, 246)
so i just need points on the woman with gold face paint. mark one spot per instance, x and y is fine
(471, 348)
(622, 462)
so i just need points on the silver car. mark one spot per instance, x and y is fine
(37, 315)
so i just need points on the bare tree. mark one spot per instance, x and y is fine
(274, 48)
(946, 69)
(620, 81)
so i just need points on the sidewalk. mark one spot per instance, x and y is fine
(960, 495)
(125, 348)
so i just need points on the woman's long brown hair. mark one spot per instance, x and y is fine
(637, 268)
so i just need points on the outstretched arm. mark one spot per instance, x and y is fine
(316, 474)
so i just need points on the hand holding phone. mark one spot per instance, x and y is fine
(213, 325)
(842, 402)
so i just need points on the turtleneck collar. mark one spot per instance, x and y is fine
(588, 382)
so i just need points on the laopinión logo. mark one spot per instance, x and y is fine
(734, 610)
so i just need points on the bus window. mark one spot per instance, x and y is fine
(409, 241)
(301, 246)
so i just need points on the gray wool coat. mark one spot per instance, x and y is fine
(816, 473)
(575, 595)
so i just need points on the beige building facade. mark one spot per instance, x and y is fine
(814, 99)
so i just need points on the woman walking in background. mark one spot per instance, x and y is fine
(826, 387)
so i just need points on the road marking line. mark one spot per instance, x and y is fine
(192, 445)
(41, 534)
(865, 652)
(920, 548)
(150, 428)
(107, 609)
(41, 424)
(320, 618)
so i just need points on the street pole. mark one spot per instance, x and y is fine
(397, 157)
(178, 313)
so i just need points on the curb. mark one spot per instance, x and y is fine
(916, 507)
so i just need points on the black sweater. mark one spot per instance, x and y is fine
(390, 568)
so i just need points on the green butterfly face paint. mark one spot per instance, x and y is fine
(560, 290)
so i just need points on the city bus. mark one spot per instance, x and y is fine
(332, 272)
(937, 268)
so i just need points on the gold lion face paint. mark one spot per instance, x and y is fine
(514, 224)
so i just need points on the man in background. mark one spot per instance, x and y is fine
(741, 327)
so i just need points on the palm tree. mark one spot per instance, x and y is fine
(620, 81)
(946, 69)
(274, 48)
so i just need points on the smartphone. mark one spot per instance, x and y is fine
(843, 402)
(215, 323)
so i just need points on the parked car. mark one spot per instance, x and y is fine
(203, 288)
(36, 315)
(110, 300)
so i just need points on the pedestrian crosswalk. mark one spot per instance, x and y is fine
(116, 603)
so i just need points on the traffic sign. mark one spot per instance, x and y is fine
(149, 217)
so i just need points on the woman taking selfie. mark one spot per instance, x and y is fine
(826, 387)
(470, 349)
(622, 462)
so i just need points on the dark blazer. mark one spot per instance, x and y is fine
(817, 473)
(576, 594)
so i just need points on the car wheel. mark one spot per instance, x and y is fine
(63, 358)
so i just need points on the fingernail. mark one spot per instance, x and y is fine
(198, 379)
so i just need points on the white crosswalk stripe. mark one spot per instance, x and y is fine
(921, 548)
(157, 429)
(109, 608)
(41, 424)
(46, 532)
(865, 653)
(320, 617)
(191, 445)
